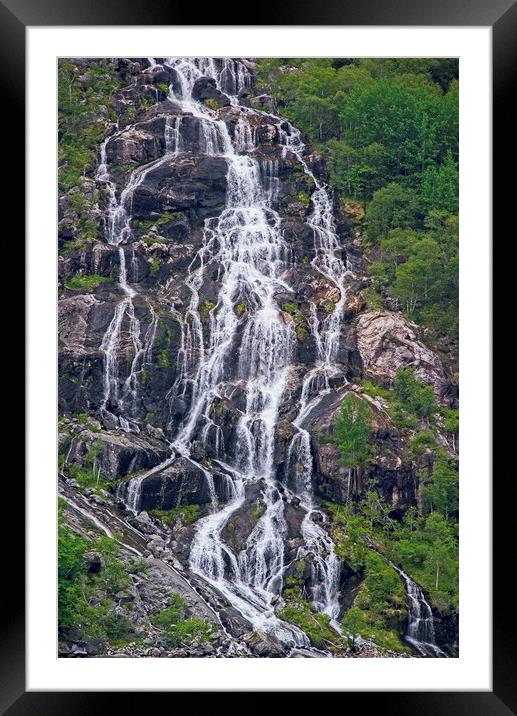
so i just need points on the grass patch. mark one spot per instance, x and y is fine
(187, 513)
(86, 282)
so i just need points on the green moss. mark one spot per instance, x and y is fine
(211, 103)
(256, 512)
(152, 240)
(301, 332)
(304, 198)
(163, 359)
(240, 309)
(85, 282)
(162, 220)
(146, 102)
(298, 319)
(205, 309)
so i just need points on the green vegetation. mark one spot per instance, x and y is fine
(352, 432)
(211, 103)
(411, 402)
(425, 545)
(179, 630)
(329, 305)
(86, 282)
(298, 319)
(86, 601)
(389, 131)
(240, 309)
(80, 126)
(354, 624)
(146, 224)
(163, 358)
(154, 265)
(416, 397)
(256, 511)
(187, 513)
(88, 474)
(316, 626)
(205, 309)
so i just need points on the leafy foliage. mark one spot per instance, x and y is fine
(177, 629)
(416, 396)
(352, 431)
(79, 128)
(300, 612)
(85, 600)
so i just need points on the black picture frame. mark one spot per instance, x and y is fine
(15, 16)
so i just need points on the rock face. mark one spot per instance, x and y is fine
(141, 295)
(182, 483)
(387, 342)
(117, 454)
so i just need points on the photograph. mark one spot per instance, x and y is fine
(258, 357)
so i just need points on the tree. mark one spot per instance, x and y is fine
(419, 280)
(392, 207)
(352, 432)
(441, 562)
(440, 186)
(404, 115)
(441, 494)
(415, 395)
(353, 623)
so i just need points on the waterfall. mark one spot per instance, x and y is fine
(118, 233)
(246, 246)
(420, 630)
(325, 568)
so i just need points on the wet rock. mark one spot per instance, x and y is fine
(205, 89)
(184, 183)
(118, 453)
(181, 483)
(265, 645)
(236, 624)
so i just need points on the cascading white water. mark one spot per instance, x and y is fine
(246, 242)
(325, 568)
(246, 246)
(420, 630)
(118, 233)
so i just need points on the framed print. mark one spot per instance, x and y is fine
(258, 273)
